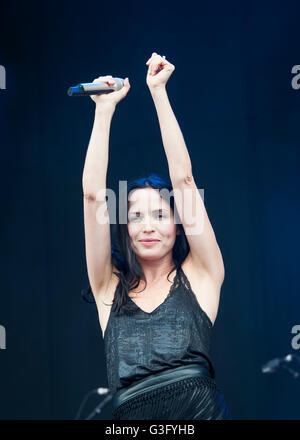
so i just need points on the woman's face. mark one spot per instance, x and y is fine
(150, 217)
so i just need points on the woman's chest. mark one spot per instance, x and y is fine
(205, 291)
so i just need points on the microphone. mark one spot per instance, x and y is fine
(271, 366)
(86, 89)
(99, 391)
(102, 391)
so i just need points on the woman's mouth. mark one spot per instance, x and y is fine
(149, 242)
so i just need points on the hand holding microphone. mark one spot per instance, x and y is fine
(112, 98)
(105, 91)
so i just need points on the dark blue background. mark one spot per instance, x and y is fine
(231, 93)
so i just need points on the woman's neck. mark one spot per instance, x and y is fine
(156, 271)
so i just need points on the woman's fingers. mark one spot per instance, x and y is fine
(107, 79)
(126, 86)
(110, 80)
(155, 63)
(155, 67)
(111, 98)
(154, 54)
(120, 94)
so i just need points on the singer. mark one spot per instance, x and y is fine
(157, 287)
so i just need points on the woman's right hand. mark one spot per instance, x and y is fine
(110, 100)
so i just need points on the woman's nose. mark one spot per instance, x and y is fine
(147, 225)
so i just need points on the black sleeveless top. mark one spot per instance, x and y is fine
(138, 344)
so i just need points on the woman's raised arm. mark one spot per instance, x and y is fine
(97, 227)
(204, 250)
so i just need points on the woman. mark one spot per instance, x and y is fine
(156, 330)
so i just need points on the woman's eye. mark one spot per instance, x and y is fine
(134, 217)
(161, 216)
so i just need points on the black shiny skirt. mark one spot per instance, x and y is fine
(183, 393)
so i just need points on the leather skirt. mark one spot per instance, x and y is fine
(183, 393)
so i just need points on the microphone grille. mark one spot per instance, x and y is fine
(102, 390)
(119, 83)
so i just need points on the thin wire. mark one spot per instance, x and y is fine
(83, 403)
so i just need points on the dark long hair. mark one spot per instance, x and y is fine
(122, 254)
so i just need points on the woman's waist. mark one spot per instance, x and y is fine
(163, 378)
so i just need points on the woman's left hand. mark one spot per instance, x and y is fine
(159, 71)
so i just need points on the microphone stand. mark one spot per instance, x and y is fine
(289, 358)
(294, 373)
(297, 358)
(275, 364)
(99, 407)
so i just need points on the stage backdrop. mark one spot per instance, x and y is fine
(233, 96)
